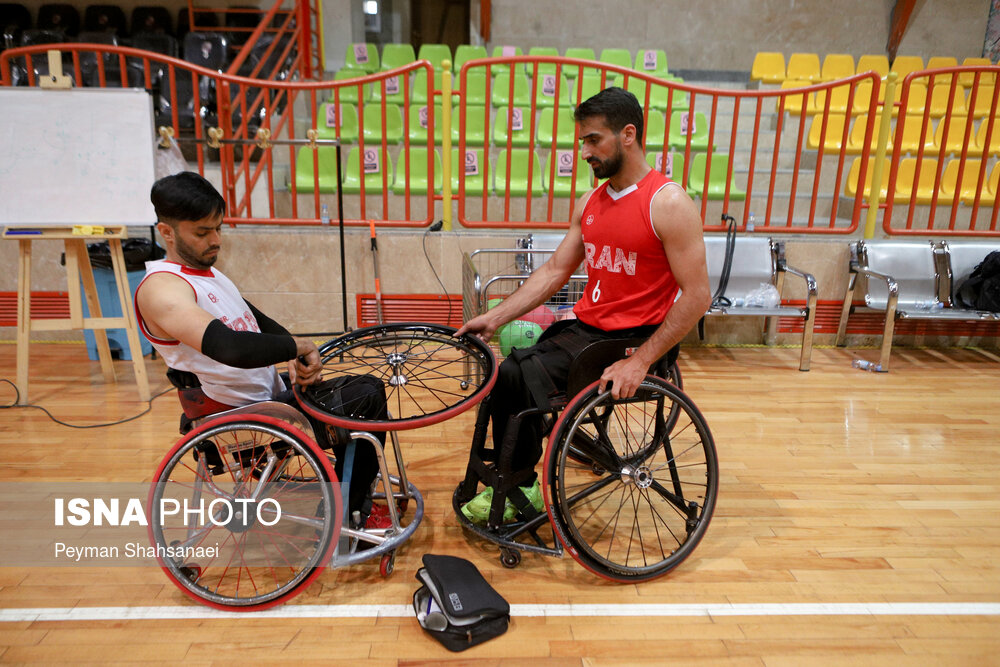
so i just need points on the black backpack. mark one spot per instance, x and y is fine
(981, 290)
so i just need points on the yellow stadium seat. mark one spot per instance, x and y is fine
(966, 190)
(911, 140)
(903, 65)
(838, 100)
(856, 141)
(955, 140)
(988, 195)
(793, 103)
(863, 102)
(768, 67)
(837, 66)
(941, 62)
(804, 66)
(832, 139)
(874, 63)
(907, 178)
(851, 184)
(939, 100)
(994, 147)
(966, 79)
(916, 101)
(983, 105)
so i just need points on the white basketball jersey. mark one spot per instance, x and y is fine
(216, 294)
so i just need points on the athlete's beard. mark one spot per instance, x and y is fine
(610, 167)
(191, 258)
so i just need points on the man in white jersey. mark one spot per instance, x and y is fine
(199, 322)
(640, 237)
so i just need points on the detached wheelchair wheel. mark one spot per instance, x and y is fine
(630, 485)
(244, 512)
(428, 373)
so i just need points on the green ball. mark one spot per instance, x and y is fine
(518, 334)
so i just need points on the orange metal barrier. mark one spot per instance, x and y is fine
(942, 173)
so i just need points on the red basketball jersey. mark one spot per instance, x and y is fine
(629, 281)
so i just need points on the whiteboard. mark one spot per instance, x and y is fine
(77, 156)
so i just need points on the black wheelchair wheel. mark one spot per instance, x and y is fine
(244, 512)
(428, 373)
(631, 484)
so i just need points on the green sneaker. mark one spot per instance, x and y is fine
(477, 510)
(534, 495)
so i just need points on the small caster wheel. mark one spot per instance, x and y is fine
(387, 564)
(510, 558)
(191, 571)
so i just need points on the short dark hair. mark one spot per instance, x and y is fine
(618, 106)
(185, 196)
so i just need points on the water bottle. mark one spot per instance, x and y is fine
(751, 222)
(866, 365)
(324, 215)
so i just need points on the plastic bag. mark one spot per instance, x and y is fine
(168, 161)
(765, 296)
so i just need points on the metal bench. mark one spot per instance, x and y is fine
(759, 260)
(906, 279)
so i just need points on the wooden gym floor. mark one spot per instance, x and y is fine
(858, 522)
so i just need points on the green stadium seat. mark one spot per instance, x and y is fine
(395, 90)
(376, 164)
(655, 130)
(330, 116)
(349, 93)
(501, 51)
(804, 67)
(417, 177)
(545, 91)
(518, 184)
(361, 55)
(565, 131)
(373, 126)
(418, 88)
(672, 167)
(581, 53)
(658, 95)
(435, 54)
(520, 136)
(618, 57)
(475, 126)
(545, 68)
(326, 157)
(397, 55)
(474, 169)
(768, 67)
(562, 181)
(837, 66)
(716, 178)
(419, 121)
(475, 87)
(679, 128)
(467, 52)
(501, 96)
(651, 61)
(587, 85)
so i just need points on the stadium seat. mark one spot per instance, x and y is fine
(655, 130)
(475, 87)
(907, 179)
(988, 195)
(838, 100)
(659, 96)
(837, 66)
(241, 20)
(618, 57)
(832, 139)
(912, 141)
(955, 141)
(474, 169)
(502, 97)
(804, 67)
(982, 106)
(994, 147)
(587, 85)
(105, 18)
(967, 79)
(506, 51)
(863, 102)
(89, 71)
(397, 55)
(768, 67)
(475, 126)
(466, 52)
(680, 128)
(874, 63)
(349, 94)
(377, 165)
(941, 62)
(561, 183)
(545, 91)
(672, 167)
(206, 49)
(58, 17)
(417, 177)
(716, 177)
(581, 53)
(518, 184)
(546, 68)
(903, 65)
(851, 184)
(326, 156)
(419, 121)
(939, 100)
(395, 89)
(966, 191)
(330, 117)
(418, 89)
(14, 19)
(916, 102)
(565, 131)
(520, 136)
(363, 56)
(435, 54)
(373, 131)
(151, 18)
(856, 140)
(794, 103)
(651, 61)
(157, 43)
(204, 20)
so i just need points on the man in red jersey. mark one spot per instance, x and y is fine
(640, 236)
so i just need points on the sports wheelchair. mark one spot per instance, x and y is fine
(246, 510)
(629, 485)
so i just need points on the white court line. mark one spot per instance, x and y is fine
(516, 610)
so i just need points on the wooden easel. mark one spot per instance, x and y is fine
(78, 268)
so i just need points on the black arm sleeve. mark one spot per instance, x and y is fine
(266, 324)
(245, 349)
